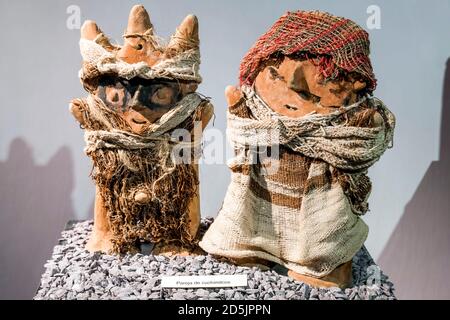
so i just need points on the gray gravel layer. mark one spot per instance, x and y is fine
(74, 273)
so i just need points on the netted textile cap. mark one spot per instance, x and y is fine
(338, 44)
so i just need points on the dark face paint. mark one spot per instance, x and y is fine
(153, 95)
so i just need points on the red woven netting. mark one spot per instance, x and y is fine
(338, 44)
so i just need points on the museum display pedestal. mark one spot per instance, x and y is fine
(74, 273)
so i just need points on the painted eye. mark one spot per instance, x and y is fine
(163, 95)
(115, 95)
(274, 75)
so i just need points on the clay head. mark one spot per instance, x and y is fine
(309, 62)
(144, 78)
(142, 93)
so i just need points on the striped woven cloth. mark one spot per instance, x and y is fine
(305, 213)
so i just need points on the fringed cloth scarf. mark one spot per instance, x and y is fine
(305, 214)
(126, 164)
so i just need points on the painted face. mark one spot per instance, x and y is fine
(139, 101)
(295, 88)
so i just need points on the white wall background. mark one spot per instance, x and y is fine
(40, 60)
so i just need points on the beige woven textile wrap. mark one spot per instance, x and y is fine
(183, 66)
(301, 216)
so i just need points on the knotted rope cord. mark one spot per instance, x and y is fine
(126, 164)
(147, 36)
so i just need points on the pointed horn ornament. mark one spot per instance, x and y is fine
(185, 38)
(139, 22)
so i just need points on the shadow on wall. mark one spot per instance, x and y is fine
(417, 256)
(35, 204)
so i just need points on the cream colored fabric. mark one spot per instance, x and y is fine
(325, 231)
(184, 66)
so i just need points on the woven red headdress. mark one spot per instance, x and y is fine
(339, 43)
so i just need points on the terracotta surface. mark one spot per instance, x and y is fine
(340, 277)
(295, 88)
(101, 236)
(135, 48)
(141, 102)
